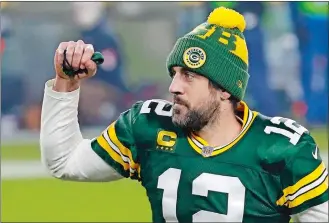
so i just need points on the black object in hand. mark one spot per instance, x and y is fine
(97, 57)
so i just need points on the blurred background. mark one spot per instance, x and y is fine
(288, 51)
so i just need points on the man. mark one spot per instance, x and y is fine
(206, 157)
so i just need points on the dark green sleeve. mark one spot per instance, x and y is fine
(116, 144)
(305, 179)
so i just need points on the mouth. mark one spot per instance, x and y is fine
(179, 108)
(177, 105)
(179, 102)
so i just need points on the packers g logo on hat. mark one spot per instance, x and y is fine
(194, 57)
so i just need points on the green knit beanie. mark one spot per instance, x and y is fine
(217, 50)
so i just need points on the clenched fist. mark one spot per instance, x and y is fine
(78, 55)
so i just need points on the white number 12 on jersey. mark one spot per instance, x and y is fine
(169, 181)
(293, 136)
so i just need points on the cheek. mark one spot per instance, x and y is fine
(198, 93)
(208, 99)
(198, 98)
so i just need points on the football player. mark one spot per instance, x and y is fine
(204, 157)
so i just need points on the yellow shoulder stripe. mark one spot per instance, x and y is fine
(117, 151)
(124, 150)
(309, 195)
(294, 189)
(116, 157)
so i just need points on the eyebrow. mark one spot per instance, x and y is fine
(188, 70)
(184, 69)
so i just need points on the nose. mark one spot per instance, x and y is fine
(176, 86)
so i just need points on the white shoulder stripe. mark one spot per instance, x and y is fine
(309, 187)
(116, 149)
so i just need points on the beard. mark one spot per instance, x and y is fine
(197, 118)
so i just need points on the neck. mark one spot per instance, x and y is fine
(225, 125)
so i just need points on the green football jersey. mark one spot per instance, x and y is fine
(270, 171)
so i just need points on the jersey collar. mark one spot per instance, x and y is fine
(247, 117)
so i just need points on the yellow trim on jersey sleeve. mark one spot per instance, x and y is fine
(116, 157)
(310, 193)
(124, 150)
(117, 151)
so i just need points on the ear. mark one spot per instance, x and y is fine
(224, 95)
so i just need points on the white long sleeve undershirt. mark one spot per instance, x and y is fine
(68, 156)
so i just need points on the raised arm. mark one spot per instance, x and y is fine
(65, 153)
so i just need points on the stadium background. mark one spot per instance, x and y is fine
(289, 77)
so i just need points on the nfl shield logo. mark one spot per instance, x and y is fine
(207, 151)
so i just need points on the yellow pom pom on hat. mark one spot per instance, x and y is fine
(227, 18)
(217, 50)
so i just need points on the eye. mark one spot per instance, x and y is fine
(189, 75)
(172, 73)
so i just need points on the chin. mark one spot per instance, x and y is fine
(178, 119)
(179, 115)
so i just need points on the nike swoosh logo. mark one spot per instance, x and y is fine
(315, 154)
